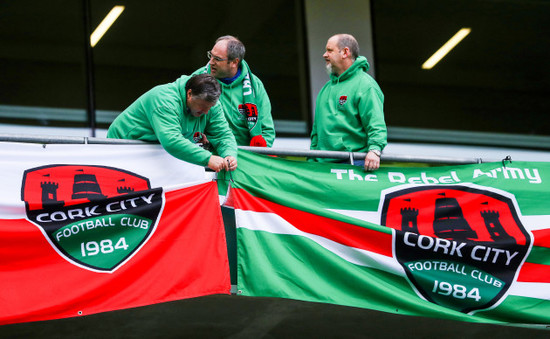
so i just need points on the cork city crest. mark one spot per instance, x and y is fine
(343, 99)
(197, 137)
(461, 246)
(249, 112)
(96, 217)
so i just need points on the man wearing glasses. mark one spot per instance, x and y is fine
(244, 100)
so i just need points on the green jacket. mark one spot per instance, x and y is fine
(161, 115)
(349, 113)
(232, 97)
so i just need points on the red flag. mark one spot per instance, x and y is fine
(183, 256)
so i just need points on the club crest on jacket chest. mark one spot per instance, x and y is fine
(343, 99)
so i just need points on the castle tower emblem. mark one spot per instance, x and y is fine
(495, 228)
(409, 219)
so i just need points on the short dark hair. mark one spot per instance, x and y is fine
(235, 48)
(204, 87)
(347, 40)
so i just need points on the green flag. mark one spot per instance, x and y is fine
(464, 242)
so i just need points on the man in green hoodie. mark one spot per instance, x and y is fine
(180, 115)
(245, 102)
(349, 112)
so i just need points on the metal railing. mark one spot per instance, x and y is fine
(386, 157)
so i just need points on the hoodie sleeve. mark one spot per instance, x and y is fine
(264, 108)
(167, 127)
(218, 132)
(371, 111)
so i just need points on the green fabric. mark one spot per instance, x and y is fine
(309, 272)
(355, 124)
(161, 115)
(527, 310)
(306, 183)
(233, 96)
(320, 232)
(539, 255)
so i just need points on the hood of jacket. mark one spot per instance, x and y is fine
(360, 64)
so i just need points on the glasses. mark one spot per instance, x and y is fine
(217, 59)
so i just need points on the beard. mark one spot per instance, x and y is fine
(330, 69)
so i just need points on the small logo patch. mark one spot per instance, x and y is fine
(250, 113)
(343, 99)
(197, 137)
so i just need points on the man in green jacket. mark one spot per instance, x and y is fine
(180, 115)
(244, 100)
(349, 112)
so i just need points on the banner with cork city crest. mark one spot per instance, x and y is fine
(468, 242)
(93, 228)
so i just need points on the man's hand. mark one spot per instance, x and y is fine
(372, 161)
(216, 163)
(231, 163)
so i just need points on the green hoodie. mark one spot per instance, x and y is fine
(349, 113)
(161, 115)
(232, 97)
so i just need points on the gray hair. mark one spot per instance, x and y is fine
(235, 48)
(204, 87)
(347, 40)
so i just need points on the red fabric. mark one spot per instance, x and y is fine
(185, 257)
(258, 141)
(542, 238)
(338, 231)
(531, 272)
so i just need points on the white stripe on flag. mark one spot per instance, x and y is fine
(530, 290)
(536, 222)
(272, 223)
(13, 211)
(149, 161)
(372, 217)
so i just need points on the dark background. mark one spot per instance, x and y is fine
(496, 80)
